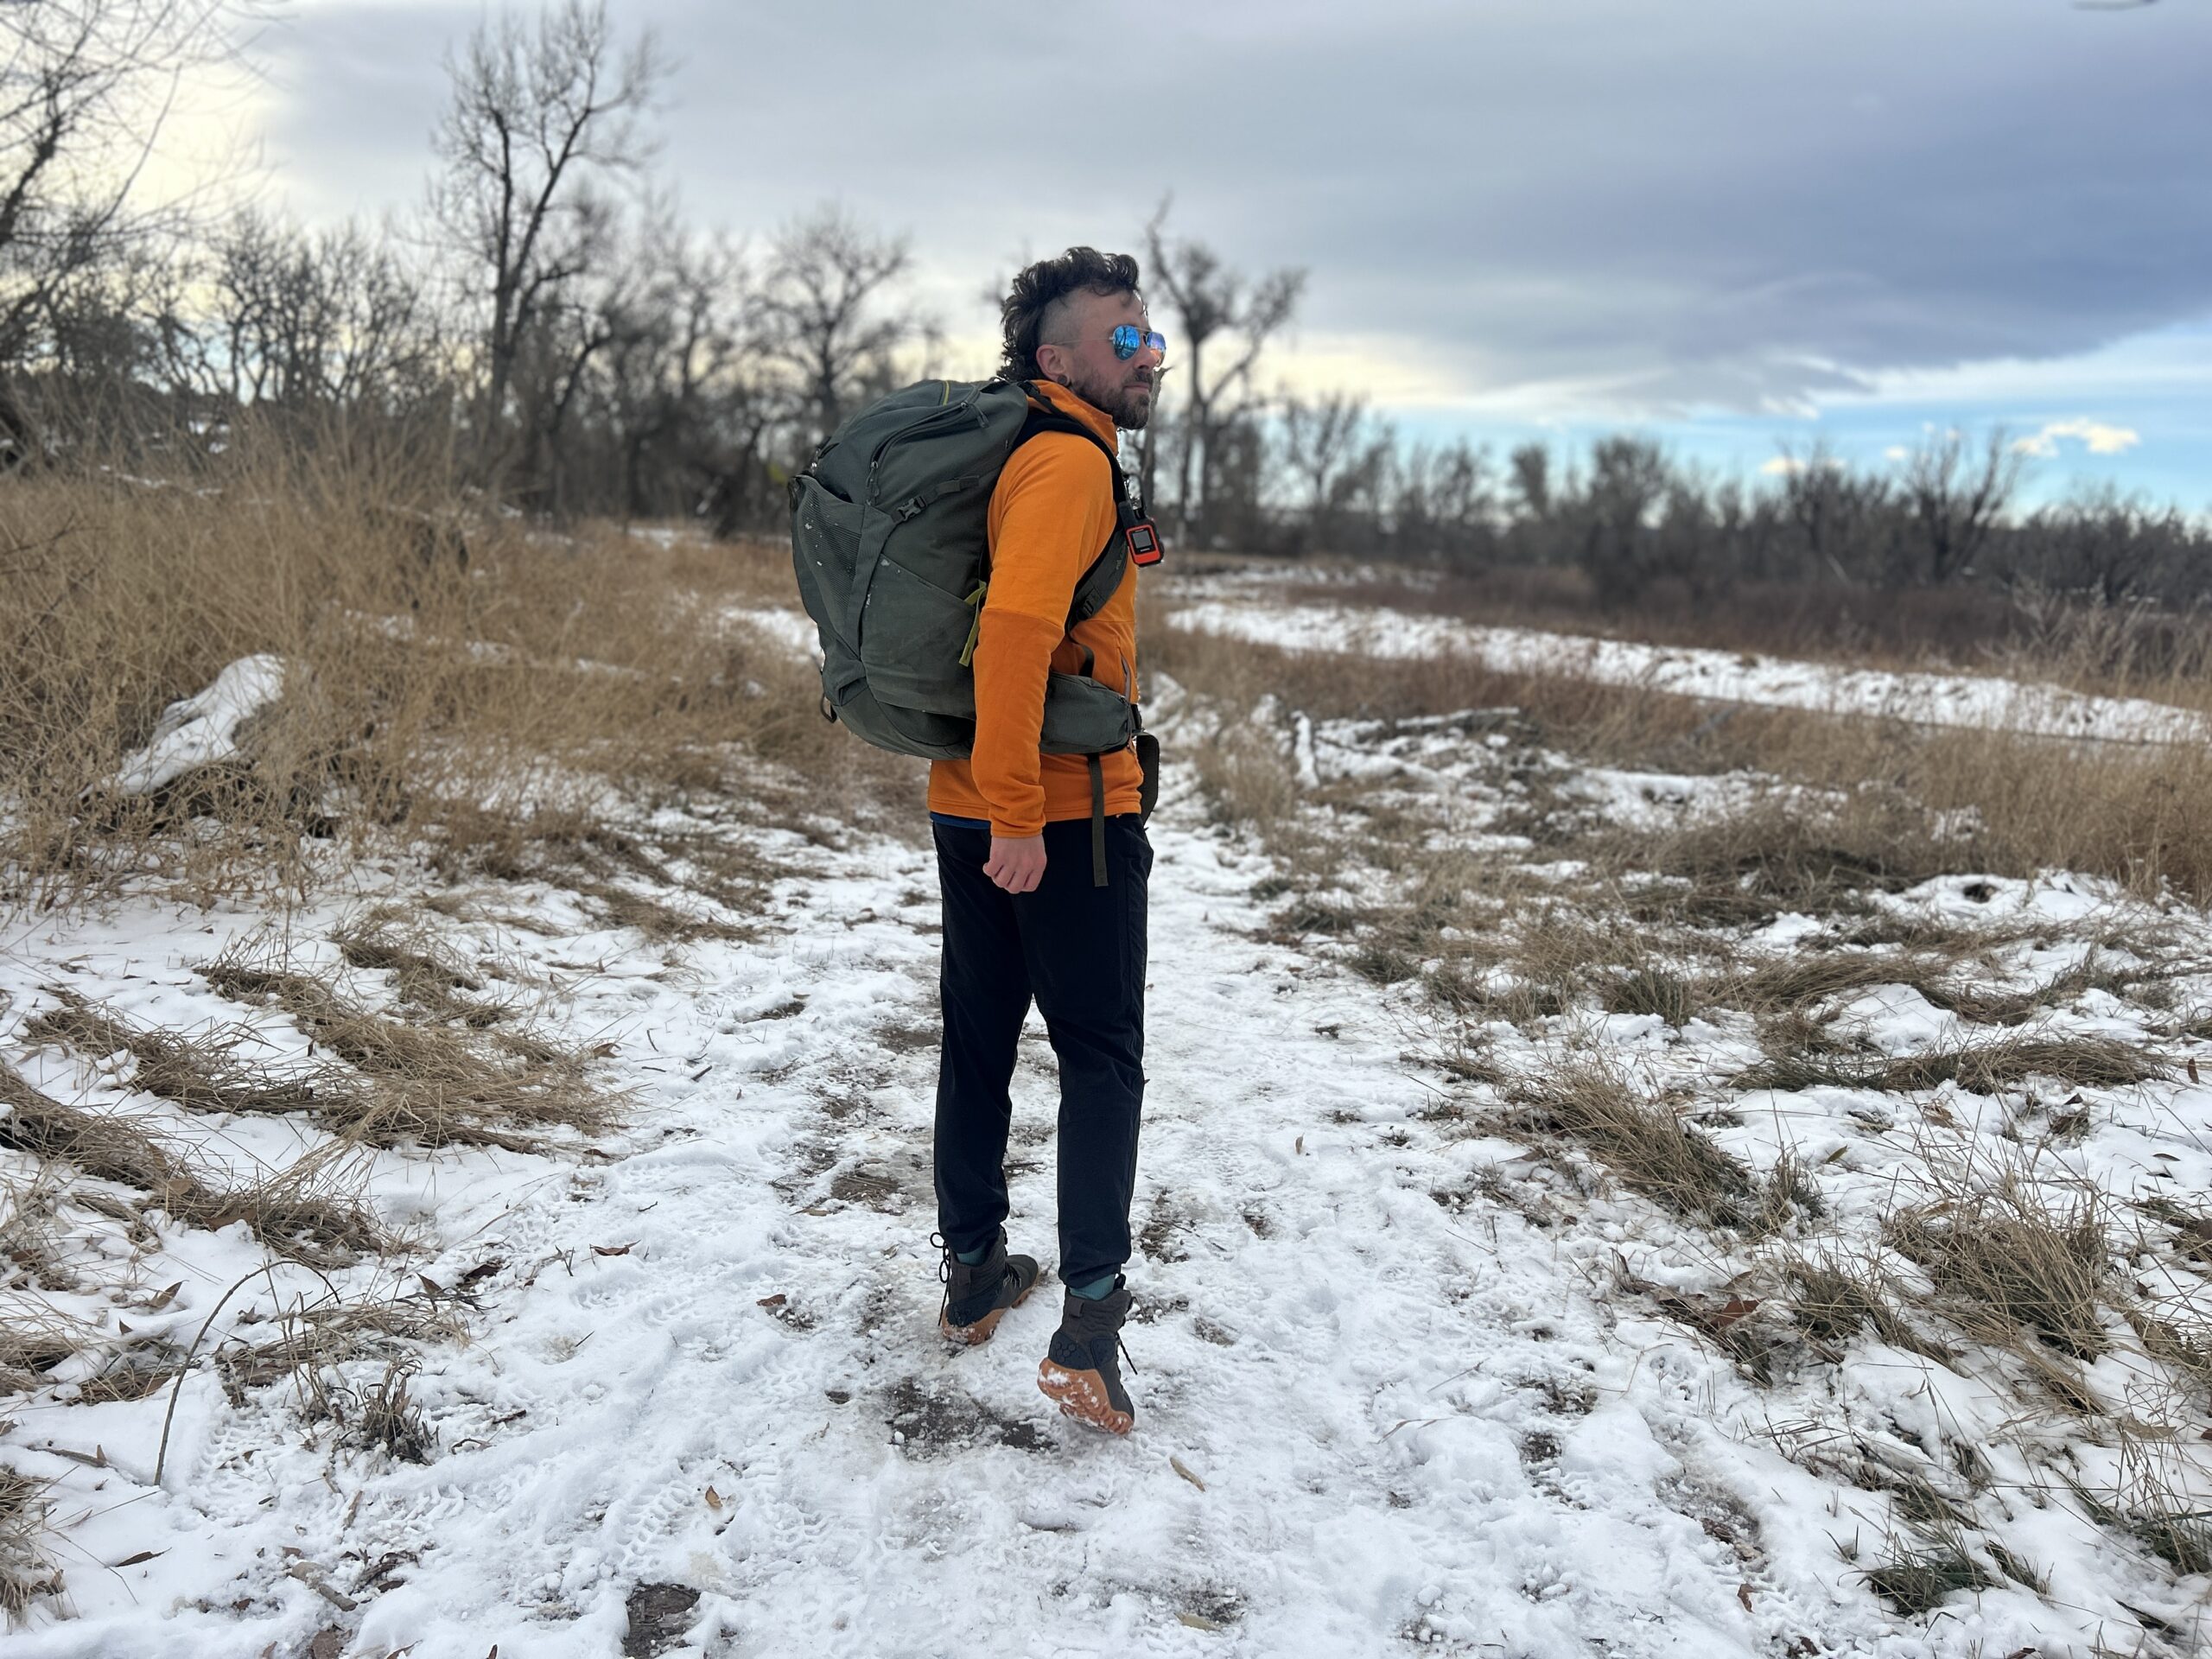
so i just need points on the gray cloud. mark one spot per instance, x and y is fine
(1731, 202)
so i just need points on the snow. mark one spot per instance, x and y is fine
(1348, 1368)
(1723, 676)
(785, 627)
(1389, 1348)
(203, 729)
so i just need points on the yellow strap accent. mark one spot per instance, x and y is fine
(975, 628)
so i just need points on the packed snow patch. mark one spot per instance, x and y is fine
(202, 730)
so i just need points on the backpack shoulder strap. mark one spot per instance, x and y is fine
(1092, 590)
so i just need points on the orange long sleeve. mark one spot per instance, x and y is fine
(1050, 515)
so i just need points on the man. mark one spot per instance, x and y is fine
(1024, 916)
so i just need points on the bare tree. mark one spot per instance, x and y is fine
(1619, 514)
(1531, 465)
(1955, 500)
(1444, 504)
(1210, 303)
(1840, 515)
(84, 88)
(1330, 447)
(540, 118)
(827, 316)
(686, 398)
(2101, 544)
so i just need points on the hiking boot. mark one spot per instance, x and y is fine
(976, 1298)
(1082, 1369)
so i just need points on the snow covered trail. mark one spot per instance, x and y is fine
(709, 1361)
(1922, 699)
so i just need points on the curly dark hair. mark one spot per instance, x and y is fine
(1021, 313)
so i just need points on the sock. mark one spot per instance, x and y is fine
(1095, 1288)
(972, 1258)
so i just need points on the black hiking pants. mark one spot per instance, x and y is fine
(1079, 950)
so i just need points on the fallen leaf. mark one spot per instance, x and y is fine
(1733, 1310)
(1184, 1470)
(490, 1265)
(614, 1249)
(1301, 1146)
(1744, 1595)
(1198, 1621)
(713, 1498)
(143, 1555)
(164, 1298)
(431, 1286)
(776, 1300)
(2193, 1076)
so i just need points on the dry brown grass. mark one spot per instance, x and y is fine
(2008, 1260)
(377, 1416)
(327, 1332)
(304, 1213)
(549, 672)
(26, 1571)
(1912, 802)
(201, 1071)
(1979, 1067)
(421, 1083)
(1834, 1298)
(1645, 1143)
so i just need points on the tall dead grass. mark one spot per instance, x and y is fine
(443, 661)
(1899, 804)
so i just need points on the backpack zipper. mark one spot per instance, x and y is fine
(963, 410)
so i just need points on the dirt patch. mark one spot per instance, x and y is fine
(658, 1615)
(928, 1421)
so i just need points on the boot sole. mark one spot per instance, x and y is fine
(969, 1336)
(1082, 1395)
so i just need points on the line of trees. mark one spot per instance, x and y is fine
(549, 318)
(552, 320)
(1631, 516)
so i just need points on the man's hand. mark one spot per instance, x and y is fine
(1017, 863)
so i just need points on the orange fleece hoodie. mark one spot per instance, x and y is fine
(1052, 511)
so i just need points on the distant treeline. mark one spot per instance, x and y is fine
(1629, 516)
(552, 330)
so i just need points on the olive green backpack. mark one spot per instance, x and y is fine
(889, 541)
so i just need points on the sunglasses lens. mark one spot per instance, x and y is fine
(1129, 339)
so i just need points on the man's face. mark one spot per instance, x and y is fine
(1079, 354)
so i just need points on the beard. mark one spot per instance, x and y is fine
(1129, 401)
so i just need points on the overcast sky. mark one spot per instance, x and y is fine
(1730, 221)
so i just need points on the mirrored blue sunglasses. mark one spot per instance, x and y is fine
(1129, 339)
